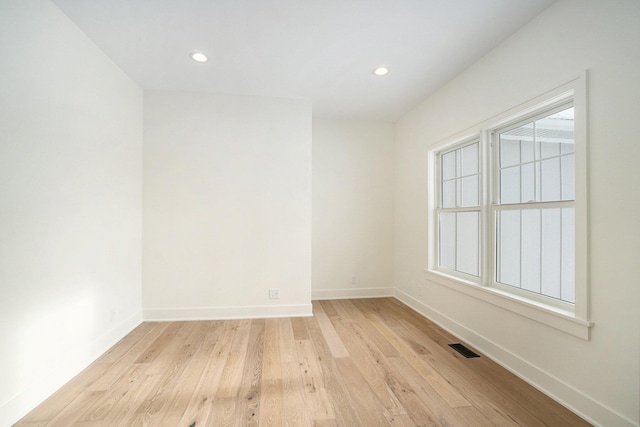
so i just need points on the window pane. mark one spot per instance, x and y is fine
(509, 152)
(448, 240)
(510, 185)
(550, 180)
(554, 131)
(449, 165)
(470, 191)
(551, 252)
(527, 152)
(540, 144)
(449, 194)
(549, 149)
(527, 184)
(470, 159)
(531, 250)
(508, 256)
(467, 242)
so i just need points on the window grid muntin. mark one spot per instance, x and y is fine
(540, 296)
(459, 207)
(497, 206)
(538, 159)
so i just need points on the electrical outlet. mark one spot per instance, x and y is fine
(274, 293)
(354, 280)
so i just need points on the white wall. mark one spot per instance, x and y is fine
(352, 209)
(227, 206)
(70, 203)
(598, 378)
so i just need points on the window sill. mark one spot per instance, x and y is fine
(562, 320)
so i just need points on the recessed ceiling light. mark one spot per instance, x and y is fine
(199, 57)
(380, 71)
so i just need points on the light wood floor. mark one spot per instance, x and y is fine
(364, 363)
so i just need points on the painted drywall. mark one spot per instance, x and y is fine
(70, 203)
(352, 209)
(226, 206)
(600, 378)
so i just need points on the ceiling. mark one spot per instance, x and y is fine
(320, 50)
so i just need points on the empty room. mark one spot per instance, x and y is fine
(319, 213)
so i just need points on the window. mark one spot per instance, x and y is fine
(459, 212)
(507, 219)
(534, 206)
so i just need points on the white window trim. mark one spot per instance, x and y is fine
(575, 322)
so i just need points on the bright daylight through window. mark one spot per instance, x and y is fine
(535, 224)
(508, 211)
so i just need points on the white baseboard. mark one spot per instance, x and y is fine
(320, 294)
(59, 371)
(222, 313)
(583, 405)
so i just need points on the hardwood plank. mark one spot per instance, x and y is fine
(287, 341)
(295, 412)
(101, 407)
(222, 413)
(362, 397)
(331, 337)
(342, 311)
(72, 412)
(271, 368)
(200, 406)
(401, 420)
(248, 404)
(327, 307)
(125, 409)
(316, 397)
(372, 333)
(420, 413)
(325, 423)
(232, 374)
(159, 344)
(271, 403)
(182, 391)
(299, 327)
(473, 416)
(408, 378)
(338, 395)
(444, 388)
(95, 423)
(372, 366)
(162, 384)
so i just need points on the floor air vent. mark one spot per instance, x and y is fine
(463, 350)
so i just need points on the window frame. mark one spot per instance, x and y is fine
(440, 209)
(496, 204)
(570, 318)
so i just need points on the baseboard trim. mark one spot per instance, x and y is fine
(321, 294)
(565, 394)
(224, 313)
(57, 373)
